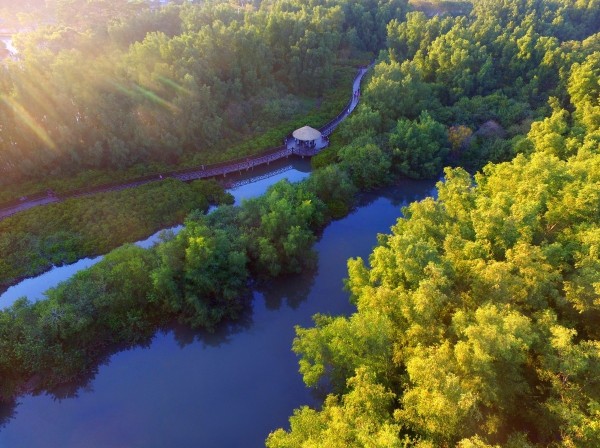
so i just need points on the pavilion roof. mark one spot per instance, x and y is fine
(306, 133)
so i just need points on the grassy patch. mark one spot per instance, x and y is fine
(34, 240)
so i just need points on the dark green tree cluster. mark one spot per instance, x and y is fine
(477, 320)
(492, 72)
(202, 274)
(113, 83)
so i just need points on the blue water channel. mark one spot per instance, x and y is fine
(229, 389)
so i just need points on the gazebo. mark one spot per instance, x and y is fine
(306, 134)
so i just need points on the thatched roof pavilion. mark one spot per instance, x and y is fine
(306, 134)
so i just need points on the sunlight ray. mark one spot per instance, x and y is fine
(121, 88)
(29, 121)
(174, 85)
(40, 95)
(148, 94)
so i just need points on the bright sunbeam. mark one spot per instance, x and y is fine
(41, 98)
(148, 94)
(29, 121)
(174, 85)
(121, 88)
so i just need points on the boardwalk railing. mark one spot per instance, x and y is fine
(249, 180)
(30, 198)
(329, 127)
(199, 172)
(232, 166)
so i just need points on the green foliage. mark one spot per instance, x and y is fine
(404, 39)
(584, 92)
(353, 421)
(553, 134)
(365, 121)
(467, 71)
(367, 164)
(484, 149)
(326, 157)
(333, 186)
(203, 274)
(280, 228)
(419, 147)
(399, 90)
(479, 313)
(34, 240)
(475, 111)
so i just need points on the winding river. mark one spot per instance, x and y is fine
(228, 389)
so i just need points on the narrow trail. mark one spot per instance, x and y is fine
(289, 148)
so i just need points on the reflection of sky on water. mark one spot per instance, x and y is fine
(33, 288)
(255, 189)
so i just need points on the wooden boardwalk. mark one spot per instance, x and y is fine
(218, 170)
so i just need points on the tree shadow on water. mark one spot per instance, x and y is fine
(293, 289)
(38, 385)
(8, 411)
(83, 383)
(401, 194)
(220, 335)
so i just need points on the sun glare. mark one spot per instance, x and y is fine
(29, 121)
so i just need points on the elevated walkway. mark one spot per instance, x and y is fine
(289, 148)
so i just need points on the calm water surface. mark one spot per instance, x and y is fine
(225, 390)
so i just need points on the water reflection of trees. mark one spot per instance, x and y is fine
(293, 289)
(182, 334)
(222, 333)
(7, 412)
(400, 194)
(73, 388)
